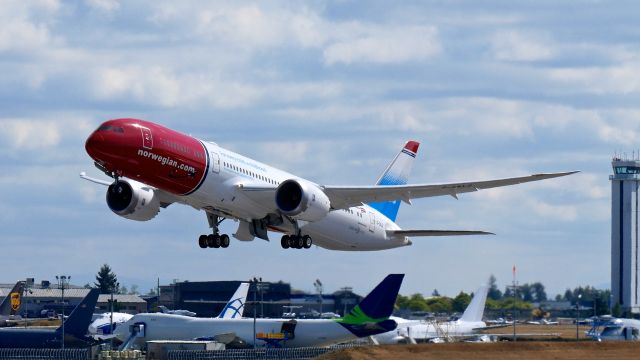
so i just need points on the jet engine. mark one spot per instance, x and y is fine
(133, 200)
(302, 200)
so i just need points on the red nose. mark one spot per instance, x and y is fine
(95, 144)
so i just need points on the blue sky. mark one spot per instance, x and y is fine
(329, 90)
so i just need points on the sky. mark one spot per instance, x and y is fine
(330, 91)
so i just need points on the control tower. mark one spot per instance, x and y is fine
(625, 264)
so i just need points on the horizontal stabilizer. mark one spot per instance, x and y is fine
(399, 233)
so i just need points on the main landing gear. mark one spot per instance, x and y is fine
(296, 241)
(214, 240)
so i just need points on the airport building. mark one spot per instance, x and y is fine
(207, 298)
(45, 299)
(625, 219)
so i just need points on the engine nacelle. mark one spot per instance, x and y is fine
(133, 200)
(302, 200)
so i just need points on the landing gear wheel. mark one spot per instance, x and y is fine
(202, 241)
(213, 241)
(224, 241)
(284, 242)
(306, 241)
(299, 242)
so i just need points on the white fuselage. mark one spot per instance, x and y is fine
(307, 332)
(357, 228)
(621, 329)
(422, 331)
(102, 325)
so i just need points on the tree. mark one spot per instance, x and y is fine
(494, 293)
(435, 292)
(440, 305)
(134, 290)
(538, 292)
(106, 280)
(460, 302)
(417, 303)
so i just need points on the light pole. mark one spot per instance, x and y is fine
(63, 280)
(318, 286)
(578, 316)
(111, 303)
(255, 290)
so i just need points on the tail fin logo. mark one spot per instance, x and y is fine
(15, 301)
(236, 306)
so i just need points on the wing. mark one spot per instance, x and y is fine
(412, 233)
(343, 197)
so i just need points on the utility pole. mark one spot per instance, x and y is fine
(515, 300)
(255, 290)
(63, 280)
(578, 316)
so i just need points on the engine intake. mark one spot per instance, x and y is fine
(132, 200)
(302, 200)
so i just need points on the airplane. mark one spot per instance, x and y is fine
(11, 304)
(75, 329)
(369, 317)
(165, 310)
(620, 329)
(153, 167)
(234, 308)
(413, 331)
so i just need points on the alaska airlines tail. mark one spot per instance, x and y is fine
(235, 307)
(78, 322)
(371, 315)
(475, 310)
(397, 173)
(11, 304)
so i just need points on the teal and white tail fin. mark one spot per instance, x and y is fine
(235, 307)
(397, 173)
(475, 310)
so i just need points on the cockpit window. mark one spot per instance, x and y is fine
(611, 331)
(116, 129)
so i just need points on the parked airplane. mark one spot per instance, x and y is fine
(11, 305)
(369, 317)
(620, 329)
(412, 331)
(153, 167)
(75, 329)
(165, 310)
(101, 327)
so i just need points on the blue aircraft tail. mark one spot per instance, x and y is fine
(78, 322)
(396, 173)
(371, 315)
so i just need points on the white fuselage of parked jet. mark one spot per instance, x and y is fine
(307, 332)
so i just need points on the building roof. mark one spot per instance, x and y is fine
(121, 298)
(72, 293)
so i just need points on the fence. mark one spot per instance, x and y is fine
(255, 354)
(71, 354)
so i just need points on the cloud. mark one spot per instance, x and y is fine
(29, 135)
(382, 45)
(105, 6)
(621, 78)
(514, 45)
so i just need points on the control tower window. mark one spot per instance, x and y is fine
(627, 170)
